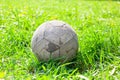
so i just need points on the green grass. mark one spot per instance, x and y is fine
(97, 24)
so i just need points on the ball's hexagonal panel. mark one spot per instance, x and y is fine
(43, 44)
(55, 54)
(54, 39)
(39, 34)
(44, 55)
(59, 31)
(67, 47)
(71, 54)
(66, 37)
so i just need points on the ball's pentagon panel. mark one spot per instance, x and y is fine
(54, 39)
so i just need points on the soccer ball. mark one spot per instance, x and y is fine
(54, 40)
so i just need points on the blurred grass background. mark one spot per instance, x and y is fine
(97, 24)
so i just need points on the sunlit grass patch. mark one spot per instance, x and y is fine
(95, 22)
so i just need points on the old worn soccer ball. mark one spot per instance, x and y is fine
(54, 40)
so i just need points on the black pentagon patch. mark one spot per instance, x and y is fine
(52, 47)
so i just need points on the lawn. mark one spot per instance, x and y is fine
(97, 24)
